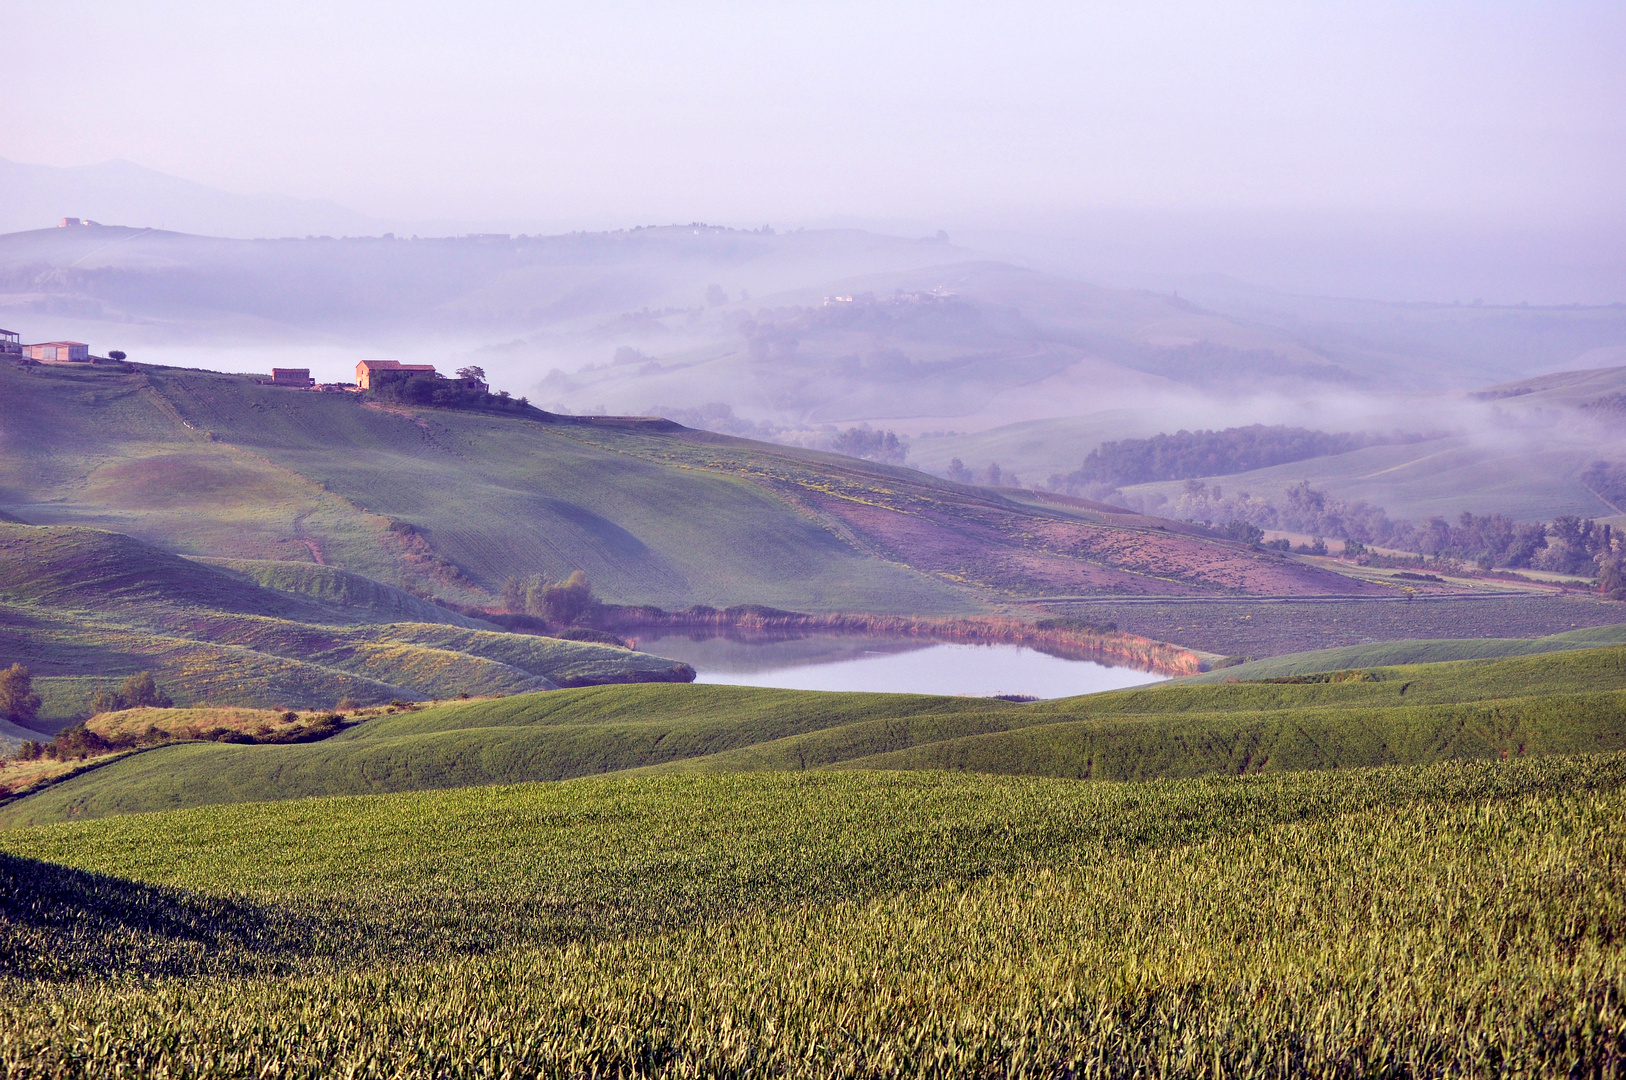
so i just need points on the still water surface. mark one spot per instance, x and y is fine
(895, 665)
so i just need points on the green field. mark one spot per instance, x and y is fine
(1458, 919)
(1277, 627)
(213, 465)
(1572, 702)
(449, 503)
(1420, 651)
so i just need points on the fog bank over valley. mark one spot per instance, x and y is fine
(908, 349)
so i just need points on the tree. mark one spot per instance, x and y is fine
(959, 473)
(135, 692)
(139, 691)
(865, 442)
(18, 702)
(472, 372)
(116, 354)
(564, 602)
(513, 595)
(1244, 532)
(715, 296)
(1612, 574)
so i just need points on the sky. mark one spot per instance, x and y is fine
(604, 115)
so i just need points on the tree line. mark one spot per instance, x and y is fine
(1568, 544)
(1187, 454)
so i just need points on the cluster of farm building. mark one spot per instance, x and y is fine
(370, 374)
(47, 352)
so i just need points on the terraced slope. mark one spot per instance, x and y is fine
(1573, 702)
(84, 607)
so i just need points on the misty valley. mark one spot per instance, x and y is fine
(774, 541)
(788, 575)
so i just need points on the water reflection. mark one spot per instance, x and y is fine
(891, 664)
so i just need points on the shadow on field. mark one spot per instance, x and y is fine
(61, 923)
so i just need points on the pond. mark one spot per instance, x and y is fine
(890, 664)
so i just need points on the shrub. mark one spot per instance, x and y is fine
(1243, 532)
(78, 742)
(135, 692)
(564, 602)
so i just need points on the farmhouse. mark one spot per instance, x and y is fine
(371, 374)
(11, 343)
(292, 376)
(59, 352)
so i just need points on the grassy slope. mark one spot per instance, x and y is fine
(1033, 449)
(1439, 477)
(1467, 916)
(264, 662)
(642, 531)
(214, 465)
(96, 570)
(1573, 702)
(1388, 653)
(365, 599)
(105, 449)
(86, 603)
(552, 736)
(1277, 628)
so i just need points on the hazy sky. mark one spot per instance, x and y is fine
(618, 113)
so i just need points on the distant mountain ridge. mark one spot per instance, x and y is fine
(122, 192)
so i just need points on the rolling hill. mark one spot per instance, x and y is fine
(453, 503)
(83, 607)
(1571, 702)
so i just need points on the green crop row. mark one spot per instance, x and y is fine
(1456, 920)
(1573, 702)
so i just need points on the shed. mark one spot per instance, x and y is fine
(59, 352)
(292, 376)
